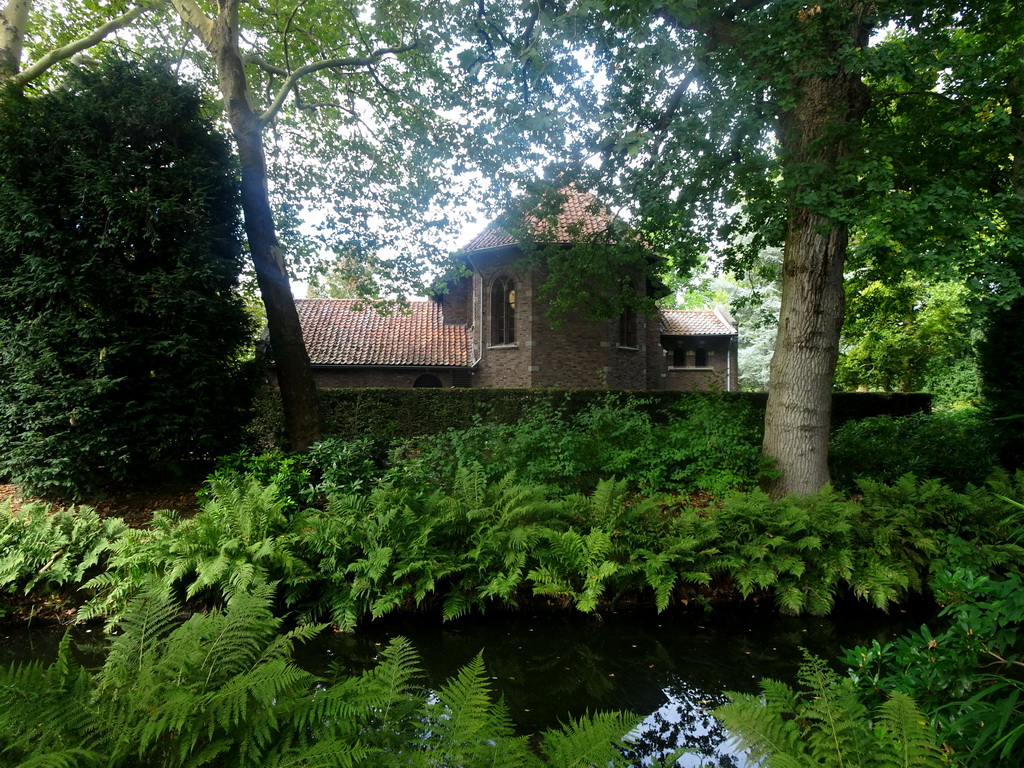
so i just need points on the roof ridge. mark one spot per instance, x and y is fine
(579, 210)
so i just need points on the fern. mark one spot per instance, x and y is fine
(842, 728)
(591, 740)
(44, 550)
(220, 690)
(144, 626)
(464, 726)
(906, 739)
(48, 712)
(240, 540)
(827, 725)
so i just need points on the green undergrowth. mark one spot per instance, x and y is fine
(481, 545)
(709, 443)
(950, 694)
(825, 723)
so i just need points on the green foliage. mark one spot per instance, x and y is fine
(903, 336)
(220, 689)
(120, 332)
(44, 550)
(348, 465)
(709, 442)
(953, 446)
(484, 543)
(548, 445)
(825, 724)
(290, 473)
(240, 539)
(799, 547)
(968, 675)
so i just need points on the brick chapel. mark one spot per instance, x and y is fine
(491, 328)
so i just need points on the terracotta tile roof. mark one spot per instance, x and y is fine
(336, 334)
(694, 322)
(581, 216)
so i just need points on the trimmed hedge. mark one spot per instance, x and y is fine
(402, 413)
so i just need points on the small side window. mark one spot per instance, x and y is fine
(627, 328)
(503, 311)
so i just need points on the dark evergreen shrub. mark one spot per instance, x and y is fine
(121, 335)
(1002, 372)
(404, 413)
(956, 447)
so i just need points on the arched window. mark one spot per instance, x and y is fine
(503, 311)
(627, 328)
(427, 380)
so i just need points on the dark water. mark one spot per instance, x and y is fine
(670, 668)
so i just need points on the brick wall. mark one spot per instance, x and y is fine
(654, 359)
(457, 303)
(506, 365)
(711, 377)
(579, 353)
(329, 378)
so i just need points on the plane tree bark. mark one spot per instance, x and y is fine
(298, 389)
(799, 410)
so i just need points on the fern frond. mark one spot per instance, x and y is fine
(764, 725)
(466, 700)
(470, 485)
(328, 753)
(907, 739)
(72, 757)
(145, 623)
(394, 675)
(843, 728)
(591, 740)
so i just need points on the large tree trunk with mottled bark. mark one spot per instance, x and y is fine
(298, 389)
(797, 419)
(814, 135)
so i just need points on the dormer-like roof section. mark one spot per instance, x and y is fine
(696, 322)
(336, 334)
(581, 217)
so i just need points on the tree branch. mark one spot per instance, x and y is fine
(316, 66)
(67, 51)
(266, 66)
(195, 19)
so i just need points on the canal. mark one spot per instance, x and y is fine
(671, 668)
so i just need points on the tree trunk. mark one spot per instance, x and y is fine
(298, 389)
(814, 138)
(13, 21)
(799, 412)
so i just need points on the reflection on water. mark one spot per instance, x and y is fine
(684, 721)
(551, 667)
